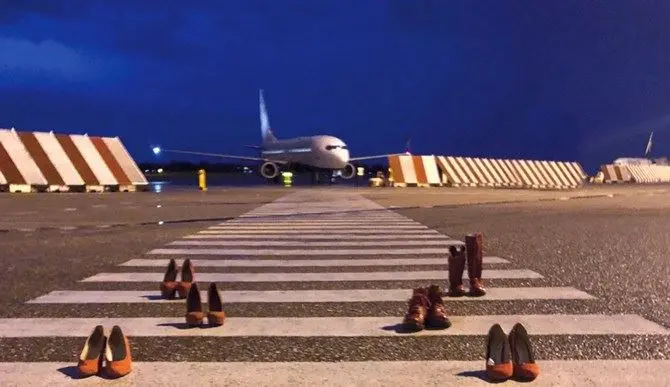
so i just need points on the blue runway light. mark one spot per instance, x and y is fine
(157, 150)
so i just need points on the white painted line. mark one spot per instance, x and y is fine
(316, 222)
(302, 262)
(568, 373)
(294, 243)
(320, 227)
(312, 277)
(290, 296)
(320, 232)
(546, 324)
(296, 237)
(286, 252)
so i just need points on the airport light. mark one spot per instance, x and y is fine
(157, 150)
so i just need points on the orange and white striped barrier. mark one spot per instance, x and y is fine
(38, 161)
(650, 173)
(480, 172)
(415, 171)
(616, 173)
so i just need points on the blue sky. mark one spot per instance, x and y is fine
(559, 80)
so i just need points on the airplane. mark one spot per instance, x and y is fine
(320, 153)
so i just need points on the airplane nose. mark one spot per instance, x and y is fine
(344, 157)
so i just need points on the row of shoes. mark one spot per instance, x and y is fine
(510, 355)
(115, 351)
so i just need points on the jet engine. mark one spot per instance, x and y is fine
(348, 171)
(269, 170)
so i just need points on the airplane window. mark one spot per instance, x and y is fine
(331, 147)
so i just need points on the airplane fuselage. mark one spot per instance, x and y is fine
(322, 152)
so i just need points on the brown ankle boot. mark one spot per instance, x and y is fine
(437, 313)
(456, 268)
(474, 247)
(418, 309)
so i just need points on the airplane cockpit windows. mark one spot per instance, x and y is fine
(331, 147)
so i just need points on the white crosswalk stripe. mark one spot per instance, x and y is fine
(264, 257)
(343, 295)
(303, 262)
(333, 326)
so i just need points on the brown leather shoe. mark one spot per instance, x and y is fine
(498, 362)
(437, 313)
(90, 359)
(117, 354)
(194, 315)
(474, 248)
(456, 268)
(186, 279)
(523, 356)
(169, 284)
(417, 311)
(215, 316)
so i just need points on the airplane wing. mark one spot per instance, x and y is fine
(377, 157)
(224, 156)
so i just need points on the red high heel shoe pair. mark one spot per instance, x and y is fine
(115, 351)
(194, 314)
(510, 356)
(170, 286)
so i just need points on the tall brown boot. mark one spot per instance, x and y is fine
(456, 268)
(474, 247)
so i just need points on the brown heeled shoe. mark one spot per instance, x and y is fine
(169, 284)
(474, 249)
(437, 313)
(215, 316)
(498, 362)
(417, 311)
(523, 356)
(186, 278)
(90, 359)
(194, 315)
(117, 354)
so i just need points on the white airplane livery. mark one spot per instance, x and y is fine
(321, 153)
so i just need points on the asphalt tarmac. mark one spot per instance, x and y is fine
(611, 242)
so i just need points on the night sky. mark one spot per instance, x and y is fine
(561, 80)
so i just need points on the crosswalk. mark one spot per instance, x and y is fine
(315, 288)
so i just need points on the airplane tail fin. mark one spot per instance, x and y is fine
(649, 142)
(266, 131)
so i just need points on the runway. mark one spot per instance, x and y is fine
(315, 281)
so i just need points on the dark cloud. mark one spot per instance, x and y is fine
(565, 80)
